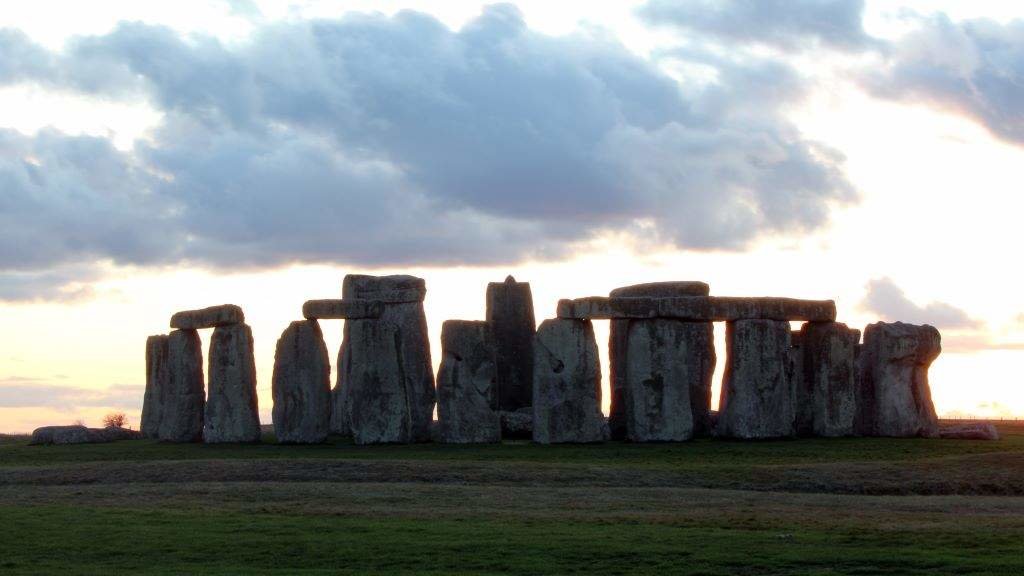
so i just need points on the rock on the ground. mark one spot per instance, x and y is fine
(698, 308)
(825, 378)
(511, 320)
(758, 393)
(184, 400)
(893, 394)
(669, 367)
(232, 409)
(157, 380)
(466, 385)
(517, 425)
(81, 435)
(223, 315)
(302, 385)
(567, 384)
(969, 431)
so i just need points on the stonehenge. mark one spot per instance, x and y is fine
(506, 378)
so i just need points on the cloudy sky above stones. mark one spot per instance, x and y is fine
(257, 136)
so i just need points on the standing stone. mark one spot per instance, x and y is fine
(617, 355)
(466, 386)
(184, 399)
(670, 367)
(157, 381)
(758, 396)
(567, 384)
(385, 390)
(232, 410)
(893, 395)
(511, 320)
(302, 385)
(825, 378)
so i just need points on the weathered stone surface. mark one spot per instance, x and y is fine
(517, 425)
(669, 367)
(81, 435)
(223, 315)
(396, 289)
(302, 385)
(893, 394)
(385, 391)
(758, 396)
(969, 431)
(567, 384)
(184, 400)
(699, 308)
(232, 409)
(825, 379)
(466, 384)
(510, 317)
(157, 379)
(617, 347)
(341, 309)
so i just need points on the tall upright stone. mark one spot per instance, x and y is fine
(758, 394)
(385, 391)
(183, 402)
(825, 379)
(466, 384)
(302, 385)
(232, 408)
(893, 394)
(567, 384)
(512, 323)
(157, 381)
(695, 354)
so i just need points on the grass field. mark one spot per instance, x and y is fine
(848, 506)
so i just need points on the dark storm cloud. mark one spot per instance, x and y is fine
(887, 300)
(389, 140)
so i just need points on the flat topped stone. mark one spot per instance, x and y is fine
(662, 290)
(223, 315)
(395, 289)
(698, 308)
(341, 309)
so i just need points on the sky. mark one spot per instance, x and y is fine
(156, 158)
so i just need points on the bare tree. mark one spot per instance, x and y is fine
(115, 420)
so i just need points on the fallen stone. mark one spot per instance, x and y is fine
(397, 289)
(80, 435)
(969, 431)
(758, 397)
(184, 400)
(232, 410)
(698, 308)
(517, 425)
(157, 381)
(511, 320)
(669, 367)
(617, 346)
(223, 315)
(826, 379)
(341, 309)
(466, 387)
(893, 394)
(302, 385)
(567, 384)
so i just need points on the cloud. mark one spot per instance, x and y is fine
(785, 24)
(968, 343)
(887, 300)
(22, 392)
(383, 141)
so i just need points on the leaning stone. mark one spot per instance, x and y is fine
(698, 308)
(302, 385)
(223, 315)
(466, 391)
(758, 396)
(893, 395)
(232, 410)
(567, 384)
(668, 379)
(511, 320)
(157, 380)
(517, 425)
(184, 400)
(826, 379)
(396, 289)
(969, 431)
(341, 309)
